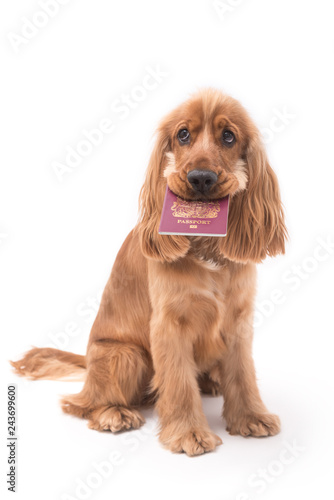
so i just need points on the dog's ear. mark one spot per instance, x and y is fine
(256, 225)
(154, 245)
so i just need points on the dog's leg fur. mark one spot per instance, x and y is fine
(183, 424)
(244, 411)
(174, 332)
(116, 378)
(119, 366)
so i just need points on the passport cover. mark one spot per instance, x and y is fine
(198, 218)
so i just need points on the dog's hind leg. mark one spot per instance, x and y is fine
(118, 376)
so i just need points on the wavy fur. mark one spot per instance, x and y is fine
(176, 316)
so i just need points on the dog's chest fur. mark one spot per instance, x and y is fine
(209, 298)
(230, 290)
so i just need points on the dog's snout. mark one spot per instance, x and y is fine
(202, 180)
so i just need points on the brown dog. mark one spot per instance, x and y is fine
(176, 314)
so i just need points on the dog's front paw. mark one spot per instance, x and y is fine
(257, 425)
(193, 442)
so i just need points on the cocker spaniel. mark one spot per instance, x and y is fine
(176, 314)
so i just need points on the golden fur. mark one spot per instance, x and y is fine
(176, 314)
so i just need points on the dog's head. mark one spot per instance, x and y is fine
(208, 148)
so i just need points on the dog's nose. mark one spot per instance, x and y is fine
(202, 180)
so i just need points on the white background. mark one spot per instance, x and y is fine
(59, 239)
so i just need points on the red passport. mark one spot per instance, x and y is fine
(198, 218)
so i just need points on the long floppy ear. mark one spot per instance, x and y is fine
(256, 225)
(154, 245)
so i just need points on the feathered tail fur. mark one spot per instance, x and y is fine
(50, 364)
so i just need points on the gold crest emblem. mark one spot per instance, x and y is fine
(195, 209)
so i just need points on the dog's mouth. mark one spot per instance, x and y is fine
(227, 184)
(196, 197)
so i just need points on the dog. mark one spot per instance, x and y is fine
(176, 315)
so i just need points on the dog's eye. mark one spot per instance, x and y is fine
(183, 136)
(228, 138)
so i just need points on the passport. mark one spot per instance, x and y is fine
(195, 218)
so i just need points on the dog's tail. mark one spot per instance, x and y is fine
(50, 364)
